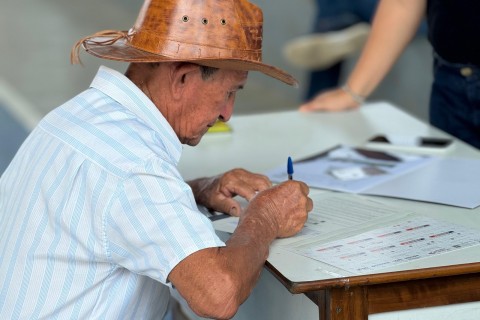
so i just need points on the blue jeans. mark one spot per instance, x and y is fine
(455, 100)
(339, 14)
(333, 15)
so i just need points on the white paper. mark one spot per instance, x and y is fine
(374, 250)
(360, 235)
(449, 181)
(344, 169)
(333, 215)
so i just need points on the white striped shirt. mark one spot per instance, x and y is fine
(93, 212)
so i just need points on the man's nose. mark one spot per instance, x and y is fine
(227, 111)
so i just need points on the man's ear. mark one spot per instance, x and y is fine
(182, 74)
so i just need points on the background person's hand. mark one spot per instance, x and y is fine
(331, 100)
(217, 193)
(284, 208)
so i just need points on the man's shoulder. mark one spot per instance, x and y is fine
(103, 131)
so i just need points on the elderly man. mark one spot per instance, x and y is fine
(95, 219)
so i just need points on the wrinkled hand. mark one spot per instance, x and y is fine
(217, 193)
(284, 207)
(331, 100)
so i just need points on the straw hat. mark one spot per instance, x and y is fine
(224, 34)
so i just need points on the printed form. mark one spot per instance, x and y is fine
(362, 235)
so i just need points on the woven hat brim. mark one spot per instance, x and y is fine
(121, 51)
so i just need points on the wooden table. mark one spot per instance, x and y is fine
(357, 297)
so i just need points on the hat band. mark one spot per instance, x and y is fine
(153, 43)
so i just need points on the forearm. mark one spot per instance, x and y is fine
(245, 254)
(251, 241)
(224, 277)
(394, 25)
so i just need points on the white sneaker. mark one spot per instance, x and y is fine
(321, 50)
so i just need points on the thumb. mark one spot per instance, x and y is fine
(231, 207)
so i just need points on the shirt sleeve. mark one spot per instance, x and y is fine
(154, 222)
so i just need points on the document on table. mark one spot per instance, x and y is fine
(412, 239)
(447, 181)
(333, 215)
(362, 235)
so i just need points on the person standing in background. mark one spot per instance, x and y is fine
(455, 93)
(339, 31)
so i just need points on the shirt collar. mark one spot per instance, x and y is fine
(121, 89)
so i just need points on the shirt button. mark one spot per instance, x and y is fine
(466, 71)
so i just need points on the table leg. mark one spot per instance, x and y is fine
(346, 303)
(342, 303)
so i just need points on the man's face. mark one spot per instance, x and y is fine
(205, 101)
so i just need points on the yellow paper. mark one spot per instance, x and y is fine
(220, 126)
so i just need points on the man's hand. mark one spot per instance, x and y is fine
(283, 208)
(217, 193)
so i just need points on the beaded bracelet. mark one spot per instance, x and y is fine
(356, 97)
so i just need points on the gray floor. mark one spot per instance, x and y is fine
(37, 36)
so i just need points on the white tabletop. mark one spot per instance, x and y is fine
(263, 141)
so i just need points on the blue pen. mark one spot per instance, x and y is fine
(290, 168)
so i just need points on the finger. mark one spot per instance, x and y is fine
(232, 207)
(226, 205)
(305, 188)
(258, 182)
(243, 177)
(243, 190)
(256, 179)
(309, 205)
(308, 107)
(246, 190)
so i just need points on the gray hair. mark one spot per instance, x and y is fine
(207, 72)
